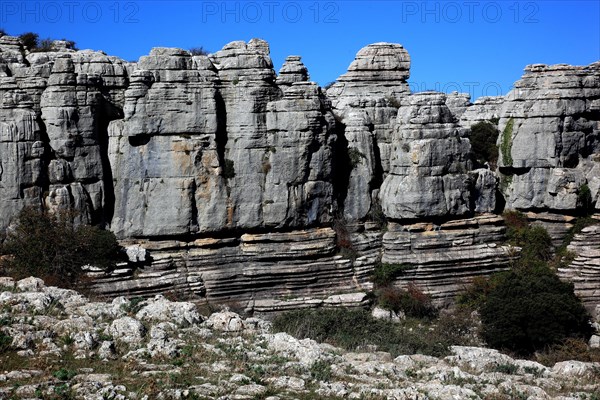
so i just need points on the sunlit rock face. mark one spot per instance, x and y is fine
(365, 101)
(429, 164)
(549, 137)
(240, 184)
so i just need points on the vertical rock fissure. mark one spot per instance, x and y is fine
(377, 179)
(109, 112)
(47, 157)
(221, 134)
(341, 167)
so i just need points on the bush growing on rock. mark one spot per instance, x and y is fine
(31, 41)
(484, 136)
(357, 329)
(528, 308)
(198, 51)
(526, 311)
(385, 273)
(51, 246)
(412, 301)
(534, 241)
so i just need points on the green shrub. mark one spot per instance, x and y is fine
(412, 301)
(50, 246)
(484, 136)
(475, 294)
(584, 199)
(64, 374)
(506, 144)
(356, 329)
(355, 157)
(198, 51)
(515, 221)
(393, 101)
(30, 40)
(384, 274)
(5, 342)
(228, 169)
(321, 371)
(509, 369)
(568, 349)
(526, 311)
(534, 241)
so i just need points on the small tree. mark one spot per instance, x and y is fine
(534, 241)
(198, 51)
(51, 246)
(30, 40)
(483, 143)
(528, 311)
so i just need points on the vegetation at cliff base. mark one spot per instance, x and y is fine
(51, 246)
(528, 311)
(528, 308)
(356, 329)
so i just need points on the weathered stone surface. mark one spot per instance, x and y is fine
(258, 270)
(53, 117)
(365, 101)
(446, 257)
(549, 136)
(224, 179)
(584, 271)
(127, 330)
(222, 363)
(162, 310)
(429, 163)
(293, 70)
(485, 108)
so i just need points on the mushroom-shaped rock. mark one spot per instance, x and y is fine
(379, 70)
(379, 62)
(293, 70)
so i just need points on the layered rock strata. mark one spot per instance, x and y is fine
(232, 183)
(584, 271)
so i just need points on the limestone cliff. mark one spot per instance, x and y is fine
(231, 182)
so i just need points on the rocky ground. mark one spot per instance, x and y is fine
(58, 344)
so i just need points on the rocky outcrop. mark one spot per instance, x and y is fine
(254, 270)
(484, 109)
(365, 101)
(56, 108)
(584, 271)
(443, 259)
(56, 342)
(429, 162)
(229, 182)
(549, 137)
(292, 71)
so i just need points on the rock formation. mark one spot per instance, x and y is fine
(58, 343)
(232, 183)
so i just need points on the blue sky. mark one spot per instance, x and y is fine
(474, 46)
